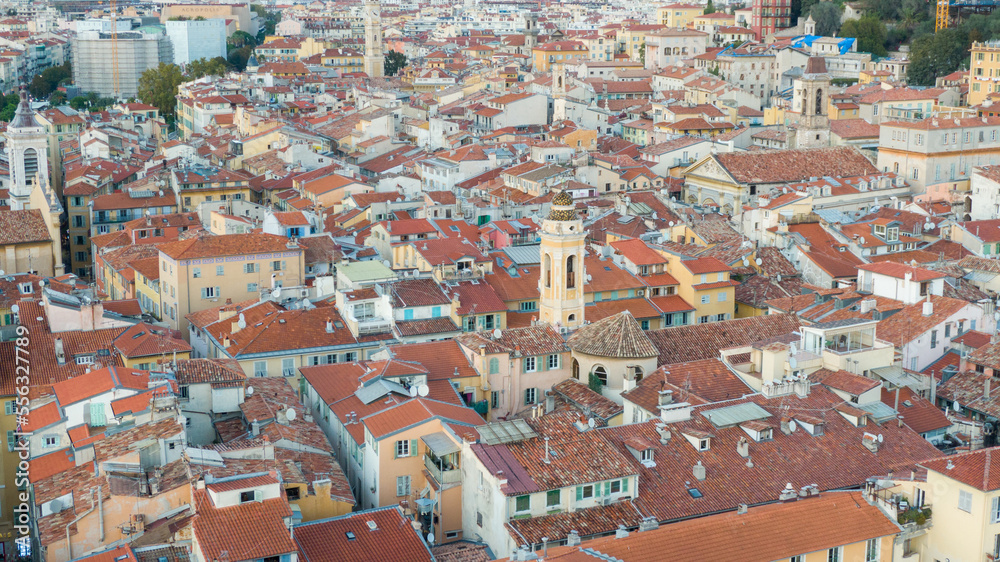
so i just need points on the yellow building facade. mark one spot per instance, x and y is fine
(561, 283)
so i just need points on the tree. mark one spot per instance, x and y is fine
(709, 8)
(595, 383)
(217, 66)
(827, 17)
(642, 54)
(158, 87)
(45, 83)
(58, 97)
(885, 10)
(806, 6)
(78, 103)
(936, 55)
(238, 57)
(870, 33)
(394, 62)
(9, 106)
(240, 39)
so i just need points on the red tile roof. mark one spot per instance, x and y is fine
(246, 531)
(973, 469)
(899, 271)
(351, 538)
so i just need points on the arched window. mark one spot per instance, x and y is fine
(30, 165)
(601, 374)
(571, 318)
(638, 373)
(576, 369)
(571, 272)
(494, 365)
(819, 102)
(547, 268)
(560, 82)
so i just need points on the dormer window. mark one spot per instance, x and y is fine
(25, 288)
(704, 444)
(880, 230)
(646, 456)
(893, 234)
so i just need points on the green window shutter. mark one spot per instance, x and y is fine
(413, 447)
(625, 485)
(218, 291)
(204, 294)
(597, 490)
(579, 493)
(395, 452)
(8, 407)
(607, 488)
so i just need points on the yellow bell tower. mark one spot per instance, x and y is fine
(560, 284)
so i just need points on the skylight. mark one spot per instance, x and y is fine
(695, 493)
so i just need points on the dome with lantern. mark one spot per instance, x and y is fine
(563, 208)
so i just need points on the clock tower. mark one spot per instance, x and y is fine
(374, 55)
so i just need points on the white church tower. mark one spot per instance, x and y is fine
(374, 55)
(27, 155)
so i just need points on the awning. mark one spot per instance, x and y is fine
(440, 444)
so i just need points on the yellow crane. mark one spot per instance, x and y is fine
(115, 78)
(941, 22)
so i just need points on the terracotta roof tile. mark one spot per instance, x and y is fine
(703, 341)
(392, 540)
(615, 336)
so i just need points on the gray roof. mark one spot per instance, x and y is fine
(524, 255)
(506, 432)
(880, 411)
(735, 415)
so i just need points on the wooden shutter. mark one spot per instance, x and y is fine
(413, 447)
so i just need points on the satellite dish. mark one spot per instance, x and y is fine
(423, 390)
(386, 263)
(793, 362)
(861, 239)
(758, 261)
(249, 391)
(413, 391)
(2, 272)
(276, 293)
(242, 322)
(956, 407)
(56, 506)
(14, 308)
(591, 423)
(746, 262)
(290, 414)
(791, 426)
(996, 315)
(778, 278)
(430, 538)
(497, 334)
(880, 438)
(671, 223)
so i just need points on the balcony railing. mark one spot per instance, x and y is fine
(373, 326)
(443, 475)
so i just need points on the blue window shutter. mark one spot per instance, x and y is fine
(625, 485)
(607, 488)
(579, 493)
(408, 314)
(204, 295)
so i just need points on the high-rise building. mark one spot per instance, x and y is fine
(137, 52)
(374, 56)
(770, 16)
(197, 39)
(562, 277)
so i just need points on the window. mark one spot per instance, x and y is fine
(933, 339)
(250, 268)
(8, 407)
(288, 366)
(479, 519)
(249, 496)
(796, 558)
(601, 374)
(584, 492)
(196, 273)
(644, 324)
(722, 297)
(495, 399)
(50, 441)
(251, 287)
(210, 292)
(402, 448)
(529, 306)
(402, 486)
(277, 265)
(220, 270)
(522, 504)
(11, 440)
(260, 368)
(571, 272)
(292, 493)
(646, 455)
(965, 501)
(530, 395)
(616, 486)
(554, 361)
(834, 554)
(529, 365)
(705, 299)
(494, 365)
(553, 498)
(872, 550)
(85, 360)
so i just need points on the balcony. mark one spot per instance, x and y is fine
(443, 470)
(368, 326)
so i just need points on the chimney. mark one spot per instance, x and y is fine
(545, 547)
(573, 539)
(550, 402)
(741, 509)
(699, 471)
(546, 459)
(60, 352)
(664, 434)
(786, 425)
(986, 388)
(648, 524)
(743, 447)
(329, 325)
(482, 350)
(928, 307)
(621, 532)
(255, 428)
(665, 397)
(788, 494)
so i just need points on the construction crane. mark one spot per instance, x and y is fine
(115, 78)
(941, 21)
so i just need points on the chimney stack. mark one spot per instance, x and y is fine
(699, 471)
(986, 388)
(788, 494)
(741, 509)
(648, 524)
(550, 402)
(743, 447)
(573, 539)
(665, 397)
(622, 532)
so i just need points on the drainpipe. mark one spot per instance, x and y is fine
(100, 512)
(69, 545)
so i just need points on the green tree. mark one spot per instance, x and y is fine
(805, 7)
(240, 39)
(870, 33)
(827, 17)
(45, 83)
(238, 57)
(594, 383)
(78, 103)
(642, 53)
(394, 62)
(158, 87)
(217, 66)
(936, 55)
(9, 106)
(885, 10)
(709, 8)
(57, 97)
